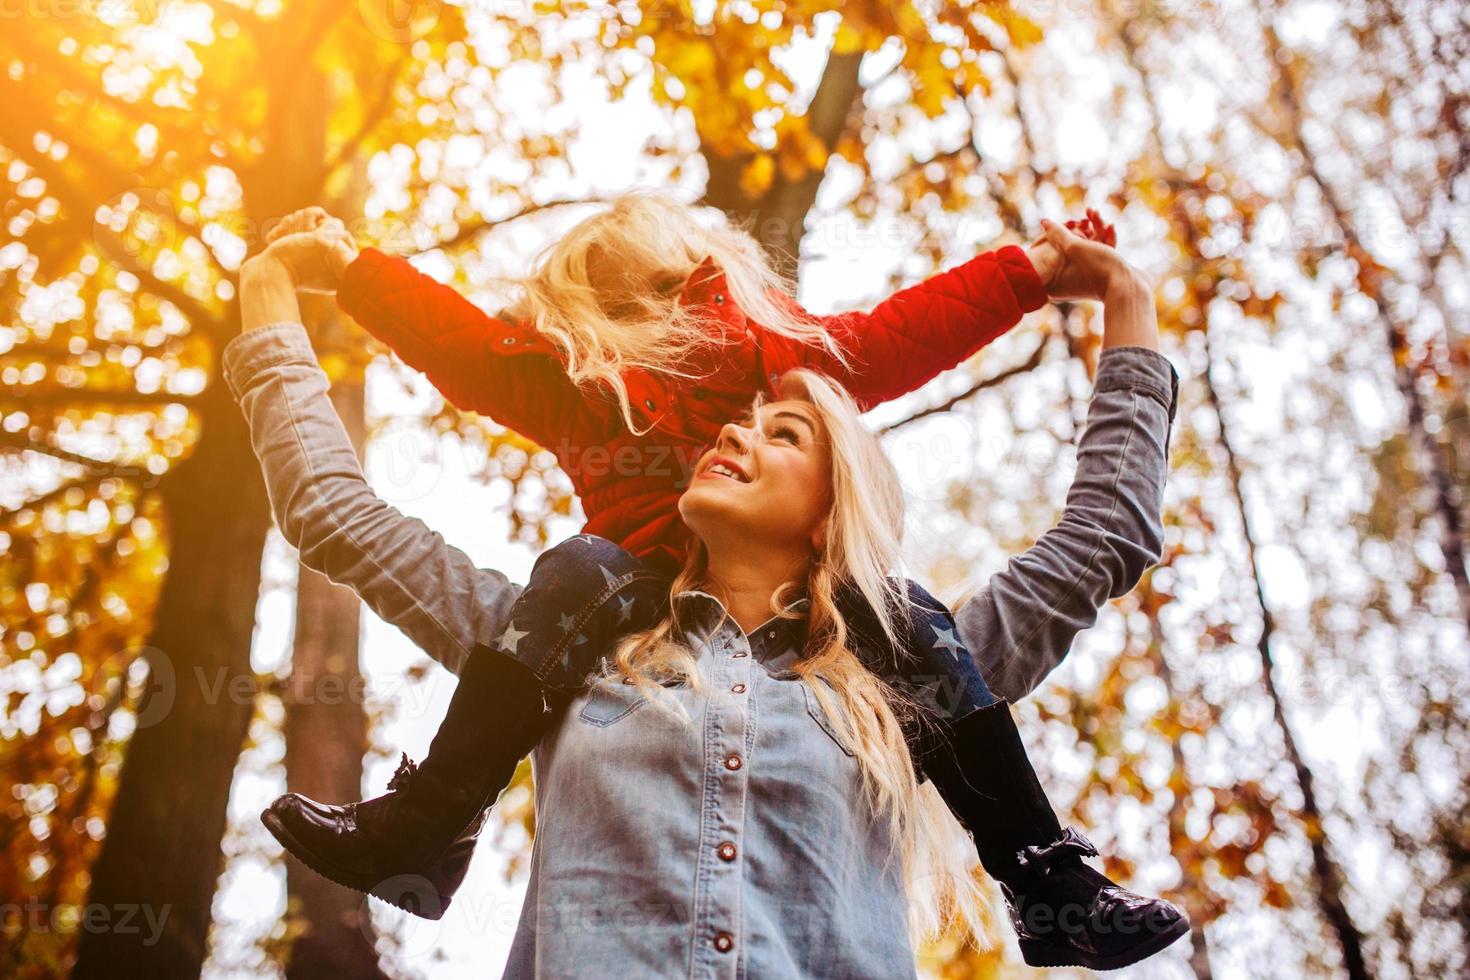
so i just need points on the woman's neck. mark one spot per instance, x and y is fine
(749, 580)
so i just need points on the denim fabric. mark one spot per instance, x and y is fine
(702, 850)
(583, 595)
(587, 591)
(1016, 629)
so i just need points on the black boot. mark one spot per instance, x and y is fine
(1064, 912)
(412, 845)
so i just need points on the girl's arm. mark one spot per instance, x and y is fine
(403, 570)
(1021, 625)
(481, 363)
(926, 328)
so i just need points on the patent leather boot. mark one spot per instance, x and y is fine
(1065, 913)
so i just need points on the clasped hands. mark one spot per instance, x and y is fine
(314, 248)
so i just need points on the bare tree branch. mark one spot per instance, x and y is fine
(990, 382)
(470, 232)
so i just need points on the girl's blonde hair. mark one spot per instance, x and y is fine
(862, 542)
(606, 292)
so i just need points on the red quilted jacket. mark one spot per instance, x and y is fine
(629, 485)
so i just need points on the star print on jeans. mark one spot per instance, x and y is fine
(510, 638)
(946, 639)
(625, 609)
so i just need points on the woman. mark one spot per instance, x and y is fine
(800, 519)
(623, 354)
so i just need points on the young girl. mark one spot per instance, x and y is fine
(615, 277)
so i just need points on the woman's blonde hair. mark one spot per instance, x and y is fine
(863, 540)
(606, 292)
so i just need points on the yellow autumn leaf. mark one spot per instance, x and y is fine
(1022, 30)
(848, 39)
(756, 177)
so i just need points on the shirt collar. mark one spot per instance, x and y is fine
(775, 642)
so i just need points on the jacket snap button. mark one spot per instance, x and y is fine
(738, 688)
(724, 942)
(733, 761)
(508, 341)
(727, 851)
(719, 297)
(742, 653)
(771, 633)
(649, 403)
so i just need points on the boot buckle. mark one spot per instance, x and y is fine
(403, 775)
(1040, 859)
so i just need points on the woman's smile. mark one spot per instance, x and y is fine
(725, 467)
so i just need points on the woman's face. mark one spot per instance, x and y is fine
(778, 487)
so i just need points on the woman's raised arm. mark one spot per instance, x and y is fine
(401, 568)
(1022, 623)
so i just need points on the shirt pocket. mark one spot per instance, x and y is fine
(610, 700)
(814, 708)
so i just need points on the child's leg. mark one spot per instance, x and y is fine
(583, 594)
(412, 846)
(1065, 913)
(929, 664)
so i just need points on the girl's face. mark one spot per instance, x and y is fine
(769, 483)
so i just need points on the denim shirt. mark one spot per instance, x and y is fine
(702, 851)
(1018, 627)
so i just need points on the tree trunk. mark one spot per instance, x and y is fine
(779, 218)
(162, 855)
(161, 858)
(326, 737)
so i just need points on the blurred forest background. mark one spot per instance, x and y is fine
(1270, 731)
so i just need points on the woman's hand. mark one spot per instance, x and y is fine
(316, 247)
(267, 293)
(1077, 264)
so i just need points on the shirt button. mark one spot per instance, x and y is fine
(724, 942)
(733, 761)
(720, 298)
(771, 633)
(727, 850)
(740, 653)
(738, 688)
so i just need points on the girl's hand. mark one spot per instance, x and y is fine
(1047, 260)
(1079, 266)
(316, 248)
